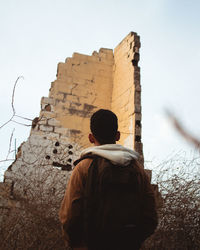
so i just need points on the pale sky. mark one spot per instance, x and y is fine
(37, 35)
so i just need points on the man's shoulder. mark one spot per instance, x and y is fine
(83, 165)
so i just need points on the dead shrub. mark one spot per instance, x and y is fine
(179, 215)
(35, 224)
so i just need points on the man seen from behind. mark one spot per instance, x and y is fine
(109, 202)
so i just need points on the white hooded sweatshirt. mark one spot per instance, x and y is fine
(117, 154)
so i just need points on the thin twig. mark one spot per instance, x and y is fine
(7, 160)
(10, 144)
(12, 102)
(27, 125)
(25, 118)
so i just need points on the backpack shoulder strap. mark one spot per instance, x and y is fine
(88, 156)
(89, 192)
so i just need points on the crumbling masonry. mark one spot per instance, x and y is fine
(84, 84)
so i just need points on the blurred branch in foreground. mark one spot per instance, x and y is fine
(182, 130)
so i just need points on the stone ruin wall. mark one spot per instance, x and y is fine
(126, 94)
(84, 84)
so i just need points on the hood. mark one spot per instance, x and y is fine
(116, 153)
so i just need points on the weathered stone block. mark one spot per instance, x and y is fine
(45, 114)
(137, 116)
(53, 122)
(42, 121)
(52, 136)
(47, 100)
(106, 51)
(46, 128)
(137, 108)
(138, 88)
(136, 75)
(64, 87)
(137, 99)
(61, 130)
(136, 49)
(80, 57)
(138, 130)
(72, 98)
(59, 96)
(79, 90)
(76, 105)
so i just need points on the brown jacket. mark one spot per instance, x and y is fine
(71, 207)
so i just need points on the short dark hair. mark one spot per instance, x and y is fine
(104, 126)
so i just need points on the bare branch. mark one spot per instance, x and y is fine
(13, 94)
(25, 118)
(7, 160)
(10, 144)
(20, 123)
(12, 102)
(7, 122)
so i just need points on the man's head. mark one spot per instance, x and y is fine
(104, 127)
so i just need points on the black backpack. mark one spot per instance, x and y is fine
(112, 205)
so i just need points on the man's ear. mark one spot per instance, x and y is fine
(91, 138)
(117, 136)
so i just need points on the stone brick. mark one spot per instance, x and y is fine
(79, 80)
(106, 51)
(72, 98)
(137, 108)
(46, 128)
(64, 87)
(137, 131)
(80, 57)
(102, 55)
(42, 121)
(80, 90)
(84, 76)
(46, 100)
(67, 59)
(137, 99)
(53, 122)
(137, 116)
(136, 49)
(61, 130)
(137, 44)
(59, 96)
(52, 136)
(45, 114)
(138, 88)
(136, 75)
(106, 61)
(76, 105)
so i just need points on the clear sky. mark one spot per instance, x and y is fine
(36, 35)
